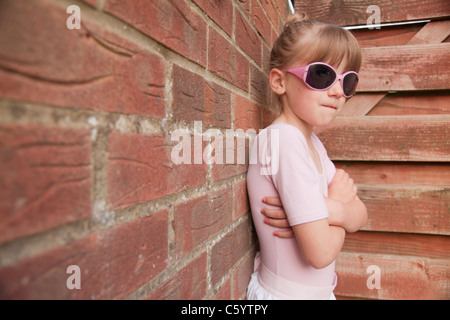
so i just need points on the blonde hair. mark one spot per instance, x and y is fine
(312, 41)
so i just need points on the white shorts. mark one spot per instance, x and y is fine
(256, 292)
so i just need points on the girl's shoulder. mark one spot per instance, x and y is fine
(285, 136)
(285, 130)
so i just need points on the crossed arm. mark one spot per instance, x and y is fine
(345, 209)
(321, 241)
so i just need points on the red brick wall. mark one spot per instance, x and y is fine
(87, 118)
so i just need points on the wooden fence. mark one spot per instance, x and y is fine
(393, 137)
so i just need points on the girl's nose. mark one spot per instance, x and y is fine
(336, 90)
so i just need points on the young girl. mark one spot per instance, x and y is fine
(313, 71)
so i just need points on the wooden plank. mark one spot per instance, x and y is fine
(420, 245)
(433, 32)
(405, 68)
(392, 36)
(361, 104)
(414, 103)
(407, 209)
(354, 12)
(388, 138)
(426, 33)
(401, 277)
(399, 173)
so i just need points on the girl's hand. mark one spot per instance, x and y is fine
(277, 217)
(342, 187)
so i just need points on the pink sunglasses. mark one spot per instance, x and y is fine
(321, 76)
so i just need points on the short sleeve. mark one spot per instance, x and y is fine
(297, 179)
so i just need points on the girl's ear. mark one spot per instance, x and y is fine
(277, 81)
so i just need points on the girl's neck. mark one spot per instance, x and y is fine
(307, 131)
(290, 118)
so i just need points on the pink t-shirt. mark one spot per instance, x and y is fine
(281, 166)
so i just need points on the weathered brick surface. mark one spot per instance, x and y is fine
(173, 23)
(242, 276)
(241, 201)
(236, 166)
(247, 38)
(45, 178)
(188, 284)
(43, 61)
(261, 22)
(197, 99)
(219, 11)
(229, 250)
(141, 169)
(112, 264)
(248, 114)
(90, 123)
(226, 61)
(200, 218)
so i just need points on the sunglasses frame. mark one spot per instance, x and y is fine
(302, 72)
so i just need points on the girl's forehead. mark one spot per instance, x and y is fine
(341, 66)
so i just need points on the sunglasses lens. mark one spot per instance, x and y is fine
(350, 83)
(320, 76)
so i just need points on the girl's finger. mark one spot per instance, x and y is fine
(284, 234)
(274, 201)
(274, 213)
(277, 223)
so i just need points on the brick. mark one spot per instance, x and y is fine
(241, 277)
(172, 23)
(133, 253)
(219, 11)
(247, 114)
(282, 7)
(259, 84)
(140, 169)
(226, 252)
(188, 284)
(224, 293)
(268, 117)
(241, 202)
(270, 9)
(112, 264)
(261, 22)
(198, 219)
(240, 151)
(247, 38)
(266, 59)
(45, 178)
(43, 61)
(197, 99)
(226, 61)
(245, 4)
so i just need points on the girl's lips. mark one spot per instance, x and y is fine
(331, 107)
